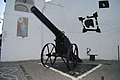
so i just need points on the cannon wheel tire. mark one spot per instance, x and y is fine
(47, 55)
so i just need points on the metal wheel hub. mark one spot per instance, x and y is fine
(49, 54)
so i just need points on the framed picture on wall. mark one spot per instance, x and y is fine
(22, 27)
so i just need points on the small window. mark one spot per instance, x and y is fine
(23, 5)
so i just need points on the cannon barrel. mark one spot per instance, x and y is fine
(46, 21)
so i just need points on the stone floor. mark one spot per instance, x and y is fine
(33, 70)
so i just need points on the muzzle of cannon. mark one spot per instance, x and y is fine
(46, 21)
(63, 47)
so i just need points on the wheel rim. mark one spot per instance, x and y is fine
(47, 55)
(71, 58)
(72, 62)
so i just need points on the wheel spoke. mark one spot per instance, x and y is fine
(46, 60)
(48, 48)
(50, 60)
(52, 49)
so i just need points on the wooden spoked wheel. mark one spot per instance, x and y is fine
(71, 59)
(48, 57)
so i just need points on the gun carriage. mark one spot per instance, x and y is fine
(62, 48)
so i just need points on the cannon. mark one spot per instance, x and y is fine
(62, 48)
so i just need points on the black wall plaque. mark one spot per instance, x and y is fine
(103, 4)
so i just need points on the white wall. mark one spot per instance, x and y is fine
(64, 14)
(18, 48)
